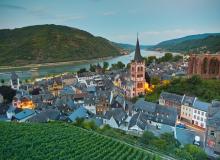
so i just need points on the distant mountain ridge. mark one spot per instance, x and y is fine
(51, 43)
(193, 43)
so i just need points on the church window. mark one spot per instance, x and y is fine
(139, 85)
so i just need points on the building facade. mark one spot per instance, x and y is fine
(137, 73)
(205, 65)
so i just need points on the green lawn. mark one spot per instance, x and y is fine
(62, 141)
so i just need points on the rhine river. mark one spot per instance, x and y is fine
(43, 71)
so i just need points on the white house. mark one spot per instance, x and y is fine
(187, 109)
(115, 117)
(199, 116)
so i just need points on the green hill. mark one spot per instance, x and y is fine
(62, 141)
(194, 43)
(51, 43)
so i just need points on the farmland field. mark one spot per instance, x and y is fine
(62, 141)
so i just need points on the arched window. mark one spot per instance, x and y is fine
(214, 66)
(205, 66)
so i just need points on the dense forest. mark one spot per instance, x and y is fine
(51, 43)
(194, 43)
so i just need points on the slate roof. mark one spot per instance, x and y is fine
(24, 114)
(118, 114)
(139, 119)
(187, 100)
(137, 55)
(142, 105)
(171, 97)
(165, 115)
(81, 112)
(154, 112)
(203, 106)
(14, 76)
(44, 116)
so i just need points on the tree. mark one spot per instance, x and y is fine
(147, 137)
(2, 81)
(155, 80)
(8, 93)
(128, 66)
(82, 70)
(194, 80)
(168, 57)
(105, 65)
(196, 152)
(92, 68)
(120, 65)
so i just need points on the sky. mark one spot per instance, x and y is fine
(118, 20)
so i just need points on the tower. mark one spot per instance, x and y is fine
(15, 82)
(137, 71)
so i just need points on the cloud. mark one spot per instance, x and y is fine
(14, 7)
(109, 13)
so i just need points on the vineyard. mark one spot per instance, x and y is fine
(62, 141)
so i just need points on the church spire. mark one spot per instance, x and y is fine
(137, 55)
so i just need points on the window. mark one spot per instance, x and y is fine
(202, 113)
(139, 75)
(139, 85)
(198, 112)
(194, 111)
(201, 119)
(212, 133)
(195, 116)
(132, 69)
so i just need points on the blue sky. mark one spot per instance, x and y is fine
(118, 20)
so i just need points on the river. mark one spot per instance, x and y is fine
(43, 71)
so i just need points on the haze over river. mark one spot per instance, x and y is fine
(27, 73)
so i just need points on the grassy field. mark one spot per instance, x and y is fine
(62, 141)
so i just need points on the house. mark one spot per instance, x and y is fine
(90, 102)
(171, 100)
(45, 116)
(14, 81)
(1, 99)
(153, 117)
(200, 110)
(115, 117)
(24, 115)
(143, 106)
(81, 112)
(212, 141)
(187, 109)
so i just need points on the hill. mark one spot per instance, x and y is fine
(51, 43)
(62, 141)
(196, 43)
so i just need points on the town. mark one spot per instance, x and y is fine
(117, 98)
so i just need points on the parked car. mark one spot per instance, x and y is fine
(181, 125)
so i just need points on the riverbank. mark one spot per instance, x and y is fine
(36, 66)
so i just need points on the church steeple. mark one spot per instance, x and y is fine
(137, 55)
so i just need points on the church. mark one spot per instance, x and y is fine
(133, 82)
